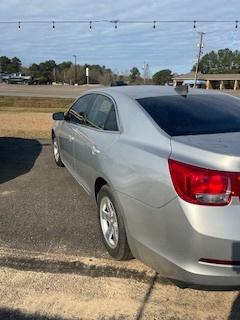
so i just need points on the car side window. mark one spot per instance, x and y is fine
(102, 113)
(80, 109)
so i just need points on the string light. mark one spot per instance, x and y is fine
(117, 22)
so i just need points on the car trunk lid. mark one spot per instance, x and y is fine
(214, 151)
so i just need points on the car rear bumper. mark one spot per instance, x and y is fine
(204, 278)
(172, 239)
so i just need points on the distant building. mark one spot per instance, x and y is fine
(209, 81)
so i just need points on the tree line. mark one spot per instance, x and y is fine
(49, 71)
(221, 61)
(67, 72)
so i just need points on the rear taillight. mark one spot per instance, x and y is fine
(204, 186)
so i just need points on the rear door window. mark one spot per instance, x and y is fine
(102, 114)
(194, 114)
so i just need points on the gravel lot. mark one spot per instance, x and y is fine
(52, 262)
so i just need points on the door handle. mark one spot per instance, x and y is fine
(95, 150)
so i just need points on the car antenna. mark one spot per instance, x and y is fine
(182, 90)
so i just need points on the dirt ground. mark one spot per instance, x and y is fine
(40, 289)
(25, 124)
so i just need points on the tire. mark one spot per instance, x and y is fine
(111, 223)
(56, 152)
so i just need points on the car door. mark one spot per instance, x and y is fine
(73, 119)
(99, 132)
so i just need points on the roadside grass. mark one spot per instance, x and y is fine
(29, 117)
(33, 104)
(36, 110)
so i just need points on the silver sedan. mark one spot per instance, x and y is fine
(163, 165)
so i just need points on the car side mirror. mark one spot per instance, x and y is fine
(58, 116)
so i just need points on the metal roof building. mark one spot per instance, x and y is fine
(210, 81)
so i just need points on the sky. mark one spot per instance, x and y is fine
(172, 46)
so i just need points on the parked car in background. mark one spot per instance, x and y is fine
(3, 76)
(17, 78)
(118, 83)
(163, 165)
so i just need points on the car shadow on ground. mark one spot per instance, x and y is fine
(8, 314)
(17, 156)
(235, 310)
(79, 268)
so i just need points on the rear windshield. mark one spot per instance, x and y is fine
(194, 114)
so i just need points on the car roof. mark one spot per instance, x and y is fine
(145, 91)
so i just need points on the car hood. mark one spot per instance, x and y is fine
(214, 151)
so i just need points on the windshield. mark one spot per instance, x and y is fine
(194, 114)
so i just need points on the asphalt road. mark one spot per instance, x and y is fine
(53, 265)
(43, 208)
(49, 230)
(56, 91)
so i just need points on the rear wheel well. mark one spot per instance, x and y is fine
(98, 185)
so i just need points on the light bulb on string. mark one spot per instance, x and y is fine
(194, 25)
(19, 25)
(90, 25)
(53, 25)
(154, 24)
(236, 25)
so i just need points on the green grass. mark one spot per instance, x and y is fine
(33, 104)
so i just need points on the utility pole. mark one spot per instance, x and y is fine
(199, 57)
(75, 69)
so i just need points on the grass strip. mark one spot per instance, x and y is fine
(34, 104)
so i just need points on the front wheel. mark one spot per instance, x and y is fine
(112, 225)
(56, 153)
